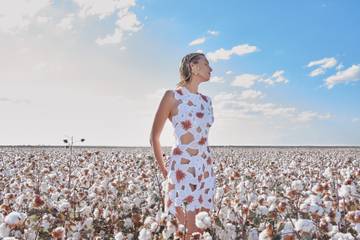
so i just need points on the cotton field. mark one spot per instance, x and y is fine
(117, 193)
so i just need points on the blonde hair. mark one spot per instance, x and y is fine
(185, 69)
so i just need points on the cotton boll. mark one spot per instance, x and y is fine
(119, 236)
(206, 236)
(137, 202)
(344, 191)
(328, 173)
(96, 213)
(92, 195)
(181, 228)
(15, 218)
(353, 189)
(252, 197)
(29, 234)
(288, 228)
(45, 223)
(203, 220)
(230, 231)
(313, 199)
(357, 228)
(132, 187)
(253, 234)
(20, 199)
(171, 228)
(271, 199)
(262, 210)
(44, 187)
(128, 223)
(145, 234)
(166, 234)
(304, 225)
(148, 220)
(297, 185)
(228, 171)
(342, 236)
(153, 226)
(63, 205)
(4, 230)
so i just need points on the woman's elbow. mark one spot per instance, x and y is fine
(153, 139)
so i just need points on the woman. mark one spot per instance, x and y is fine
(190, 175)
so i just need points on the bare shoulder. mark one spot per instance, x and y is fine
(168, 96)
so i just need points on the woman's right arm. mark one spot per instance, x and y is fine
(161, 115)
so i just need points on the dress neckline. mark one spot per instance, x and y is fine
(188, 91)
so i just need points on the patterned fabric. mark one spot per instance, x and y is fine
(191, 176)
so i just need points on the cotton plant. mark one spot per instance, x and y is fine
(283, 186)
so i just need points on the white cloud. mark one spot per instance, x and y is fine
(244, 105)
(199, 51)
(225, 102)
(340, 66)
(350, 74)
(213, 33)
(245, 80)
(102, 8)
(276, 77)
(217, 79)
(316, 72)
(127, 22)
(197, 41)
(17, 15)
(251, 94)
(354, 120)
(67, 22)
(307, 116)
(222, 54)
(323, 64)
(228, 72)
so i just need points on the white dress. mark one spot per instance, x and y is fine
(191, 176)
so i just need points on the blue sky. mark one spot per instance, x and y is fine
(283, 73)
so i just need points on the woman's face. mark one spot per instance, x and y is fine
(202, 68)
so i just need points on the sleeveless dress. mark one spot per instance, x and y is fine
(191, 177)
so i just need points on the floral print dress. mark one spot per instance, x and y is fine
(191, 177)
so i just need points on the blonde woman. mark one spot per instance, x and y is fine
(190, 174)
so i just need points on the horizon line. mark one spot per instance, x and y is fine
(148, 146)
